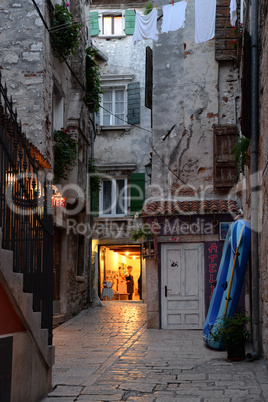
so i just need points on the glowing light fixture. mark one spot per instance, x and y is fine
(127, 253)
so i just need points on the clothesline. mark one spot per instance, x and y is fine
(174, 17)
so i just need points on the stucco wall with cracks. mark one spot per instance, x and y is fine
(191, 91)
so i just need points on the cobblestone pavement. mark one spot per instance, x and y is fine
(108, 354)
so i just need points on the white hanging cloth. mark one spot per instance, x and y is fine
(205, 14)
(233, 12)
(173, 16)
(146, 26)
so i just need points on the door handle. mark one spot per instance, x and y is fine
(166, 290)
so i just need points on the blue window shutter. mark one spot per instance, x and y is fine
(130, 17)
(137, 192)
(133, 104)
(94, 23)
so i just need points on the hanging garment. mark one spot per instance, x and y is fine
(233, 12)
(173, 16)
(146, 26)
(205, 14)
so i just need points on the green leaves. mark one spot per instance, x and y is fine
(231, 329)
(142, 233)
(65, 154)
(93, 81)
(240, 151)
(66, 31)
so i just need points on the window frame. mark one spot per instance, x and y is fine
(113, 197)
(113, 89)
(111, 13)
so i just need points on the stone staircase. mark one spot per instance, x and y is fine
(22, 303)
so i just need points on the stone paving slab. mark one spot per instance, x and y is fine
(108, 354)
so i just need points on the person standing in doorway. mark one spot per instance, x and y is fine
(130, 282)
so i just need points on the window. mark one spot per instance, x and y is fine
(113, 107)
(120, 102)
(113, 197)
(225, 171)
(112, 25)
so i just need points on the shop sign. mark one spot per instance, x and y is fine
(213, 253)
(58, 201)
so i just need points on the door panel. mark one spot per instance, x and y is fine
(182, 287)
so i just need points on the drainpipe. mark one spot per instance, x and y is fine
(254, 183)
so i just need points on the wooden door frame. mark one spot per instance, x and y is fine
(162, 284)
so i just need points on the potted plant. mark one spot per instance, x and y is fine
(231, 331)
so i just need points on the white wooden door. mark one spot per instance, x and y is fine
(182, 286)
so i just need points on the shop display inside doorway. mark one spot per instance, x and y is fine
(121, 280)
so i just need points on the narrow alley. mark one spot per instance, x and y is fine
(108, 354)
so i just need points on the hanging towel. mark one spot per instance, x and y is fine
(146, 26)
(205, 13)
(173, 16)
(233, 12)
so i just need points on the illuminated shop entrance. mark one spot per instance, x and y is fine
(120, 273)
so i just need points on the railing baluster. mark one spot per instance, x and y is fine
(29, 236)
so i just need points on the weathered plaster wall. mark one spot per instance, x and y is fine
(125, 58)
(188, 87)
(263, 174)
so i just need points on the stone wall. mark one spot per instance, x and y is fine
(22, 64)
(263, 173)
(31, 73)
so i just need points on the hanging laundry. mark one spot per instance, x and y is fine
(233, 12)
(205, 14)
(173, 16)
(146, 26)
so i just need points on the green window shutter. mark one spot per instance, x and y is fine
(94, 23)
(95, 204)
(137, 192)
(130, 17)
(133, 104)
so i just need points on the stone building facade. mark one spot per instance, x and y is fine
(48, 95)
(195, 114)
(122, 145)
(263, 157)
(254, 186)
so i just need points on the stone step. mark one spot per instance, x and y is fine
(23, 304)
